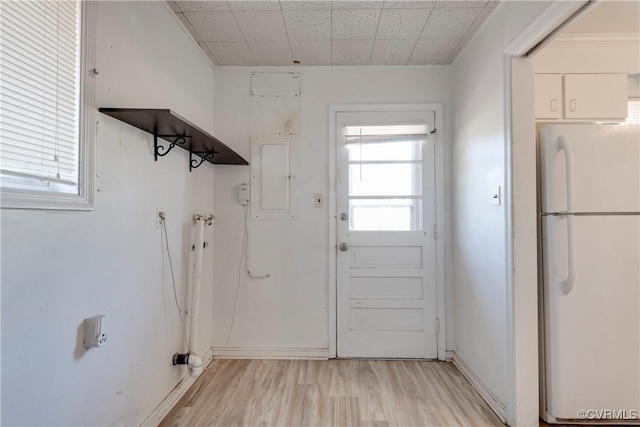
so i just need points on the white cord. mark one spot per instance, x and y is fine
(243, 257)
(173, 281)
(235, 298)
(246, 249)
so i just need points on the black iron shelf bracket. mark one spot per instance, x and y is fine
(161, 150)
(194, 163)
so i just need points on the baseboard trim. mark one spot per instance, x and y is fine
(496, 405)
(270, 353)
(449, 355)
(163, 409)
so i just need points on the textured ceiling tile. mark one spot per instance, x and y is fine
(261, 26)
(449, 22)
(356, 4)
(271, 53)
(311, 52)
(471, 31)
(215, 26)
(473, 4)
(305, 5)
(189, 27)
(231, 53)
(433, 51)
(241, 5)
(351, 52)
(392, 52)
(202, 6)
(352, 25)
(401, 24)
(358, 24)
(308, 24)
(400, 4)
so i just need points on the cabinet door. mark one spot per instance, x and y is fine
(548, 96)
(595, 96)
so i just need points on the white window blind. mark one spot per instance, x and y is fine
(633, 113)
(364, 134)
(40, 92)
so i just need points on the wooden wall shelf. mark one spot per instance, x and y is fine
(178, 132)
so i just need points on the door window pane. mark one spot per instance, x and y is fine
(385, 214)
(385, 176)
(391, 179)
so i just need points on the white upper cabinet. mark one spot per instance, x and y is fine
(581, 97)
(595, 96)
(548, 94)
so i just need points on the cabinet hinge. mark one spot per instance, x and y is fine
(437, 326)
(435, 231)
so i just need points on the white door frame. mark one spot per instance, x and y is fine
(441, 211)
(520, 194)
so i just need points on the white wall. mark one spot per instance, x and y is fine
(60, 267)
(288, 312)
(479, 229)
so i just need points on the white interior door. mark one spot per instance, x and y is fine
(386, 247)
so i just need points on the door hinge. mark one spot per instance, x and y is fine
(437, 326)
(435, 231)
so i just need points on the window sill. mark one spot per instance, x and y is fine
(41, 200)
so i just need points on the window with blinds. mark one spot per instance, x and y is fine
(385, 177)
(41, 96)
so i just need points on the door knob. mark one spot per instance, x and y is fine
(344, 246)
(344, 216)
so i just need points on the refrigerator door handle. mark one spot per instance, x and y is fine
(563, 144)
(567, 285)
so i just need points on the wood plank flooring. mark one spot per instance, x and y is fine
(374, 393)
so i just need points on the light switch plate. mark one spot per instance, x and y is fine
(496, 198)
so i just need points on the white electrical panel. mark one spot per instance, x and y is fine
(273, 173)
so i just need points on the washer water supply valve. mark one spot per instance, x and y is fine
(94, 336)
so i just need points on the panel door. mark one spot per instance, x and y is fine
(386, 254)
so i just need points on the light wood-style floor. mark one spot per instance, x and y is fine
(331, 393)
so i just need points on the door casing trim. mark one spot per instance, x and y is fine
(441, 259)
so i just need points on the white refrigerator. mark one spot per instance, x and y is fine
(590, 252)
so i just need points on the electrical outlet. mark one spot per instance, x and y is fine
(243, 194)
(161, 216)
(102, 338)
